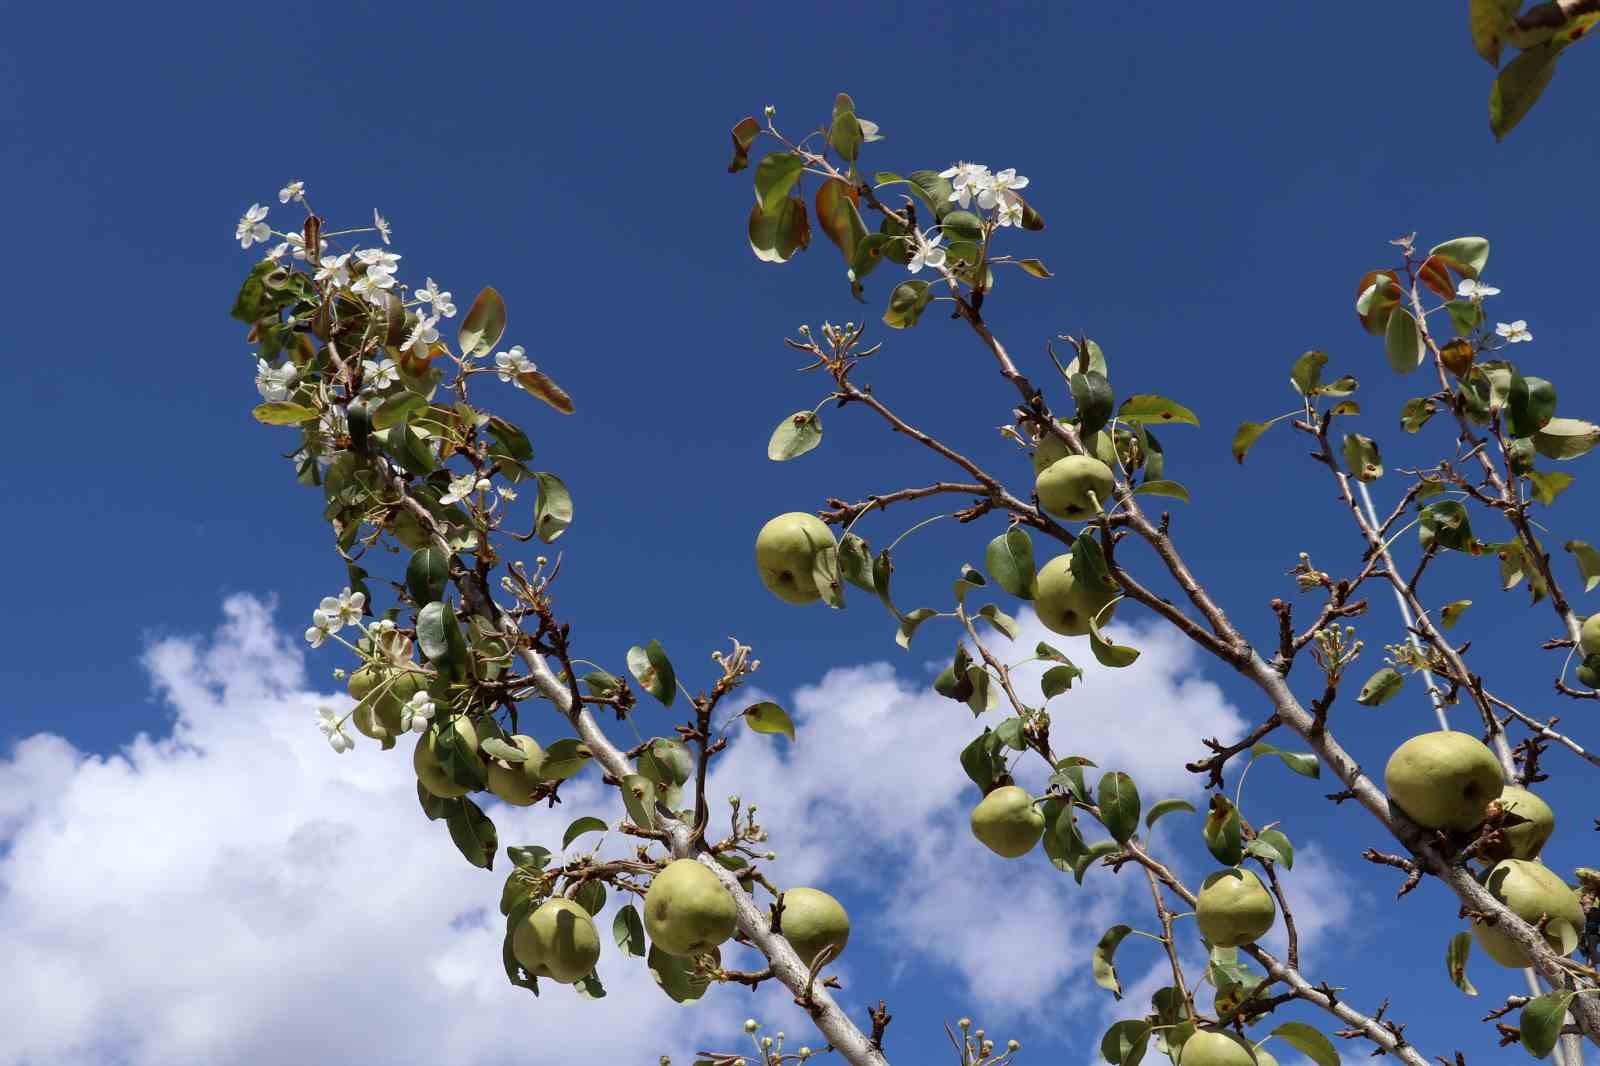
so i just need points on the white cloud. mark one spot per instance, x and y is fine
(233, 891)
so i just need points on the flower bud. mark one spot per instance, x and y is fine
(965, 1023)
(1012, 1045)
(766, 1042)
(751, 1025)
(805, 1053)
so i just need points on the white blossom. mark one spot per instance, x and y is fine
(966, 181)
(422, 333)
(295, 190)
(322, 626)
(926, 253)
(273, 382)
(381, 224)
(379, 375)
(343, 609)
(415, 714)
(509, 364)
(332, 727)
(252, 227)
(460, 488)
(1514, 332)
(377, 257)
(1475, 290)
(372, 284)
(1010, 212)
(1001, 189)
(277, 251)
(507, 494)
(336, 270)
(439, 301)
(298, 243)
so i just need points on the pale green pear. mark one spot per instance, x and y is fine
(1530, 890)
(1207, 1047)
(1064, 604)
(1589, 635)
(813, 920)
(558, 940)
(514, 782)
(1234, 908)
(425, 759)
(786, 550)
(1008, 822)
(1065, 486)
(687, 911)
(1527, 838)
(1443, 780)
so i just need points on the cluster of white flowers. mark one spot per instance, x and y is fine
(332, 727)
(274, 382)
(464, 486)
(995, 192)
(1513, 332)
(1475, 291)
(927, 252)
(417, 713)
(333, 614)
(509, 364)
(379, 374)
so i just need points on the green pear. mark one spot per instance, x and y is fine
(813, 920)
(1008, 822)
(381, 694)
(786, 549)
(1531, 890)
(1049, 449)
(1525, 839)
(1065, 605)
(1207, 1047)
(558, 940)
(1589, 636)
(1443, 780)
(1064, 487)
(686, 910)
(514, 782)
(1589, 674)
(1234, 908)
(426, 758)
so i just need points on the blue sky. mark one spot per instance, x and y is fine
(1214, 188)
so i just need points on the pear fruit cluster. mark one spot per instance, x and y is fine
(1008, 822)
(557, 940)
(1234, 908)
(786, 553)
(687, 911)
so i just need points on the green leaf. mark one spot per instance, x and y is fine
(845, 135)
(1118, 800)
(1547, 486)
(484, 324)
(1097, 851)
(1103, 962)
(794, 436)
(825, 575)
(933, 190)
(1092, 395)
(1445, 524)
(1303, 763)
(1009, 559)
(1106, 653)
(985, 696)
(1306, 373)
(1011, 734)
(1245, 437)
(591, 896)
(440, 637)
(473, 833)
(650, 667)
(768, 717)
(1381, 687)
(1148, 407)
(1465, 315)
(677, 975)
(744, 135)
(1402, 342)
(1034, 267)
(1566, 438)
(283, 413)
(1379, 296)
(775, 236)
(563, 759)
(855, 562)
(426, 575)
(587, 824)
(432, 806)
(1542, 1019)
(1588, 560)
(400, 407)
(1309, 1042)
(839, 218)
(552, 512)
(1416, 412)
(1059, 679)
(1274, 846)
(1000, 620)
(639, 798)
(1519, 87)
(1165, 807)
(1223, 835)
(1469, 255)
(1451, 612)
(1163, 488)
(1455, 961)
(530, 856)
(1361, 457)
(1531, 405)
(1125, 1042)
(408, 448)
(496, 748)
(983, 762)
(952, 681)
(1489, 20)
(775, 176)
(906, 304)
(909, 622)
(667, 762)
(627, 929)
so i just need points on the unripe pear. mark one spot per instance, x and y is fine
(1234, 908)
(1530, 890)
(813, 920)
(1443, 780)
(1589, 675)
(1525, 839)
(1589, 635)
(1049, 449)
(1207, 1047)
(425, 759)
(686, 910)
(381, 695)
(1064, 604)
(1008, 822)
(514, 782)
(558, 940)
(1065, 485)
(786, 550)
